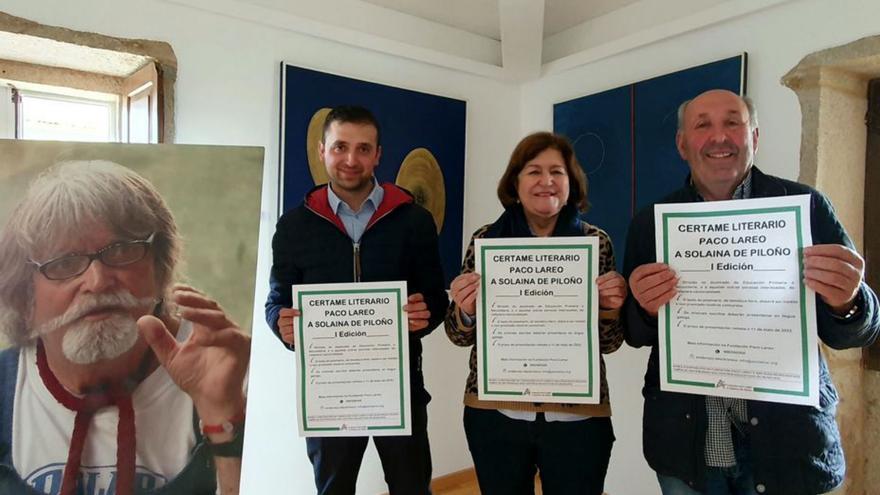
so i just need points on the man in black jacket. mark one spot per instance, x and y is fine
(713, 445)
(355, 230)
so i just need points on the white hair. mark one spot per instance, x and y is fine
(750, 106)
(61, 205)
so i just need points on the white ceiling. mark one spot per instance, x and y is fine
(512, 40)
(481, 16)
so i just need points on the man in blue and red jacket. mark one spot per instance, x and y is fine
(356, 230)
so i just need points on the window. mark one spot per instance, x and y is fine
(61, 116)
(55, 113)
(84, 86)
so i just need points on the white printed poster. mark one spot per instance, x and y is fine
(743, 323)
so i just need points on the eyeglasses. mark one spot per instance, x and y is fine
(115, 255)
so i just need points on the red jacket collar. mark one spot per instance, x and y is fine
(316, 200)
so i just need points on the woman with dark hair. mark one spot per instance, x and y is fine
(543, 190)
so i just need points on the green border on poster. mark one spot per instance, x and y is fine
(483, 347)
(805, 392)
(302, 357)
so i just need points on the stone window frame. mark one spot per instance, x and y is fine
(832, 88)
(161, 53)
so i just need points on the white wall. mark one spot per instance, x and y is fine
(228, 93)
(775, 39)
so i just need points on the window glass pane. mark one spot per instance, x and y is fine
(66, 119)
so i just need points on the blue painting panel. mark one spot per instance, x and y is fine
(624, 139)
(659, 168)
(599, 127)
(408, 120)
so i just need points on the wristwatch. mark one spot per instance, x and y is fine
(853, 311)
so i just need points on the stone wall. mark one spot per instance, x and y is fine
(832, 87)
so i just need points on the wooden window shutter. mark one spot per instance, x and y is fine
(141, 106)
(872, 207)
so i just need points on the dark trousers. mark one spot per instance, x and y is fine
(733, 480)
(406, 460)
(572, 457)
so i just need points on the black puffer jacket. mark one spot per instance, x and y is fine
(311, 246)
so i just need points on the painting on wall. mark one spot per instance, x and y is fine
(624, 139)
(422, 139)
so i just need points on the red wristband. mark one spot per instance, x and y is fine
(227, 426)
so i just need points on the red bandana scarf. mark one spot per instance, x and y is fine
(118, 395)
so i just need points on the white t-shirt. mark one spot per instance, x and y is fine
(42, 428)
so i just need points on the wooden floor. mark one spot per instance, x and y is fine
(464, 483)
(458, 483)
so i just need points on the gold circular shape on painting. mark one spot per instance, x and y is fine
(421, 175)
(313, 151)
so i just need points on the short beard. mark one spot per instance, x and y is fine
(87, 342)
